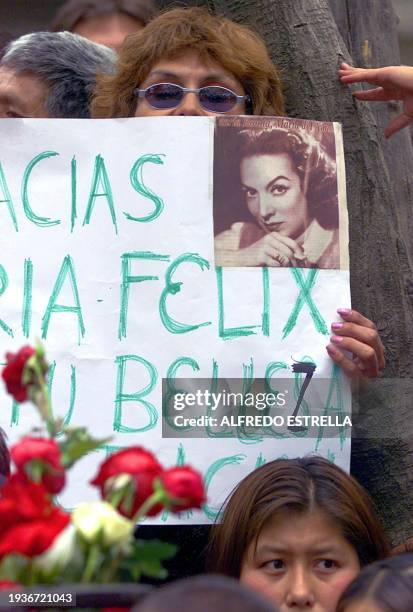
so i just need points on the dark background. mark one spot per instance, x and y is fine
(22, 16)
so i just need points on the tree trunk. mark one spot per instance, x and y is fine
(304, 42)
(369, 30)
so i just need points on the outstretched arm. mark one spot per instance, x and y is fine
(393, 83)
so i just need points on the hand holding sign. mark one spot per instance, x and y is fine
(358, 335)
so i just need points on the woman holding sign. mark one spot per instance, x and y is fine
(188, 62)
(290, 188)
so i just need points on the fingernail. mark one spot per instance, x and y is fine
(337, 325)
(336, 339)
(331, 350)
(344, 311)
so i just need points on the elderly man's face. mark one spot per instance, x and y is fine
(22, 95)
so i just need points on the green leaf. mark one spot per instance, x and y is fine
(146, 558)
(148, 550)
(153, 569)
(78, 443)
(135, 568)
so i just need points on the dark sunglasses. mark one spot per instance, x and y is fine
(212, 98)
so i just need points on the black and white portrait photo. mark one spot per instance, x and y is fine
(276, 203)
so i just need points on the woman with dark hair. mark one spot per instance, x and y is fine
(298, 531)
(384, 586)
(290, 186)
(106, 22)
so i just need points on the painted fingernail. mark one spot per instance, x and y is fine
(331, 350)
(336, 339)
(344, 311)
(337, 325)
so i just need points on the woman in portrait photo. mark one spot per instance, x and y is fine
(289, 184)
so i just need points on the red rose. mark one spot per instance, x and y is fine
(184, 487)
(33, 538)
(138, 463)
(21, 500)
(13, 372)
(48, 452)
(29, 522)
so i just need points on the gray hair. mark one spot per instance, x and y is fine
(68, 65)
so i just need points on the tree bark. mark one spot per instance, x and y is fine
(370, 33)
(304, 42)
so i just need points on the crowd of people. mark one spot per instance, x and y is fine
(301, 533)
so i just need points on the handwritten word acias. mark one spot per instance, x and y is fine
(100, 190)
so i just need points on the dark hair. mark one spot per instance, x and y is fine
(74, 11)
(387, 583)
(233, 46)
(295, 485)
(4, 456)
(203, 594)
(314, 166)
(66, 63)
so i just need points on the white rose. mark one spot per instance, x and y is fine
(63, 551)
(97, 520)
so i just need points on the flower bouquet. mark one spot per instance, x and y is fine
(41, 543)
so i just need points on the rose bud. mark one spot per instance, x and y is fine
(13, 372)
(33, 453)
(129, 493)
(183, 487)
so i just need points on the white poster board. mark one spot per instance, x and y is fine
(83, 270)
